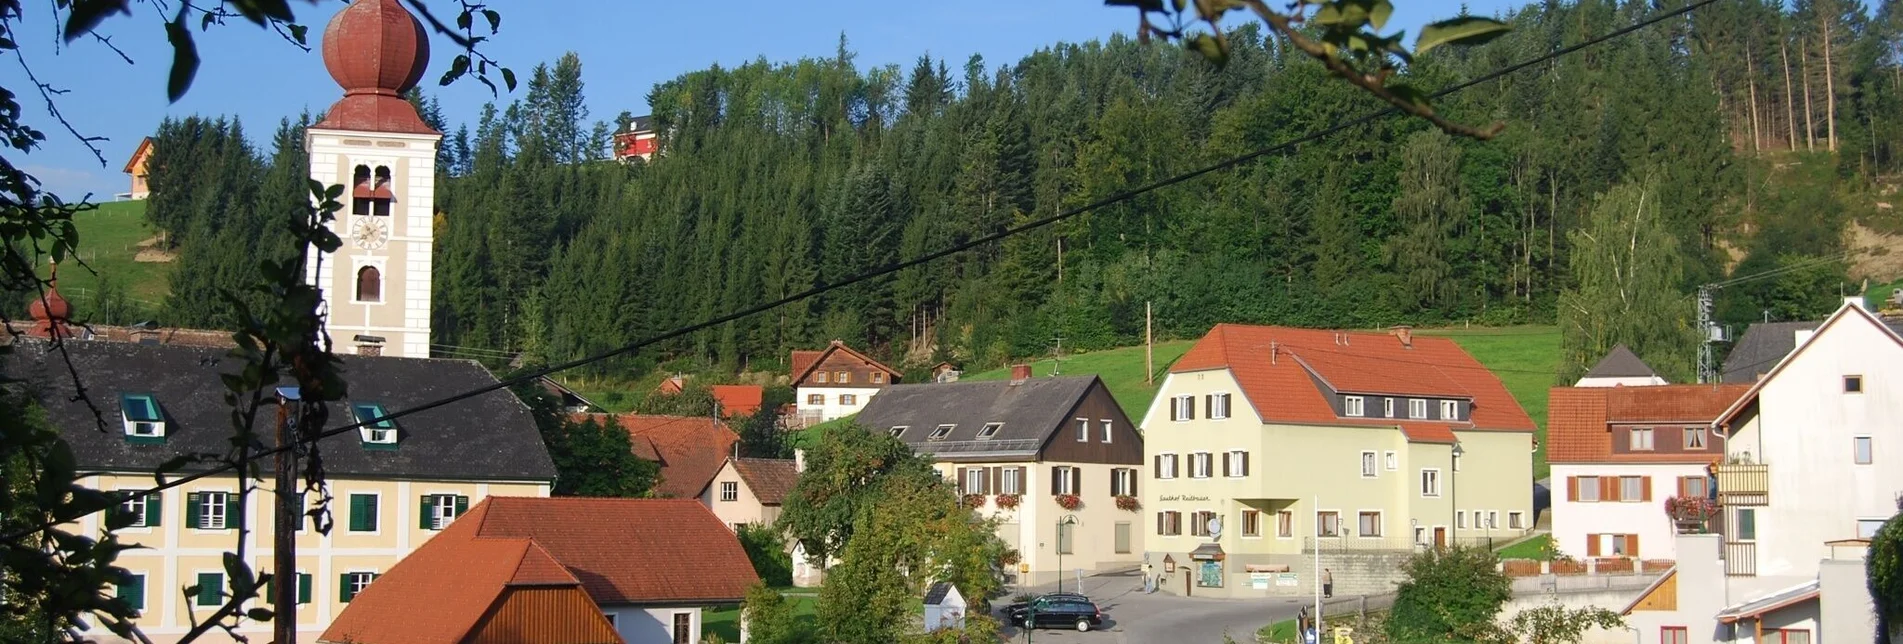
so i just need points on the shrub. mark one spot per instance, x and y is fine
(767, 550)
(1451, 594)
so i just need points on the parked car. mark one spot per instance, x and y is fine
(1058, 610)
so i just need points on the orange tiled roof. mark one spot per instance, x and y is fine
(804, 361)
(770, 479)
(1580, 419)
(1428, 433)
(441, 591)
(690, 449)
(1277, 368)
(625, 551)
(738, 400)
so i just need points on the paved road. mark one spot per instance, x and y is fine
(1134, 617)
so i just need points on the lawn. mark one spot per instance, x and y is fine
(108, 241)
(1121, 371)
(1534, 548)
(725, 622)
(1525, 359)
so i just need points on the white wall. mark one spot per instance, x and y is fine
(1631, 381)
(643, 625)
(403, 317)
(1805, 429)
(832, 409)
(1572, 520)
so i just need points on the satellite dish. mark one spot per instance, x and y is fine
(1215, 527)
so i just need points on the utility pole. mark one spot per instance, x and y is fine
(1149, 348)
(1057, 363)
(1707, 372)
(284, 537)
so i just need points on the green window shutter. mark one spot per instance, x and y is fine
(234, 512)
(358, 520)
(303, 588)
(343, 588)
(462, 505)
(132, 591)
(154, 510)
(192, 502)
(370, 512)
(424, 516)
(209, 585)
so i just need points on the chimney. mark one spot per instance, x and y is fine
(1020, 373)
(1856, 301)
(1803, 336)
(1404, 333)
(799, 460)
(736, 450)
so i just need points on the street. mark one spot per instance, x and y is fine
(1133, 617)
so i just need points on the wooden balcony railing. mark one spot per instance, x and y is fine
(1744, 484)
(1741, 558)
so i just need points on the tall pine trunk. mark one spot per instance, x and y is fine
(1810, 122)
(1830, 86)
(1751, 81)
(1790, 99)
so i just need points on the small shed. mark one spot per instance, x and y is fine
(944, 607)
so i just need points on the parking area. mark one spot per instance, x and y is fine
(1133, 616)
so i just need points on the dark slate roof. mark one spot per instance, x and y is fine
(491, 436)
(1621, 363)
(1765, 343)
(1031, 411)
(937, 593)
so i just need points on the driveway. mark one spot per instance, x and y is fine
(1134, 617)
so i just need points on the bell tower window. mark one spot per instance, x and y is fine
(371, 194)
(360, 184)
(369, 284)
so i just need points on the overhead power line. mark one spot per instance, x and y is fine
(954, 249)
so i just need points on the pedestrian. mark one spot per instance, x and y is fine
(1328, 583)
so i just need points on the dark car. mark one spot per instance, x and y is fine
(1057, 610)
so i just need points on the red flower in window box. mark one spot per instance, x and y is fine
(1069, 501)
(1128, 503)
(974, 500)
(1008, 500)
(1008, 557)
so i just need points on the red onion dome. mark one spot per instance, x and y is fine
(375, 47)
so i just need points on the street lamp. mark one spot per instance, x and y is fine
(1068, 519)
(1454, 488)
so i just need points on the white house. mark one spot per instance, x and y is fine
(836, 382)
(1812, 468)
(1621, 368)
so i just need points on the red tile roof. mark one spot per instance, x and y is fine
(738, 400)
(804, 361)
(1428, 433)
(1580, 419)
(770, 479)
(625, 551)
(1277, 368)
(439, 592)
(690, 449)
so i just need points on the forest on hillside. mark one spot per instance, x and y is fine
(1741, 139)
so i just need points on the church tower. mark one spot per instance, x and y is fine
(377, 286)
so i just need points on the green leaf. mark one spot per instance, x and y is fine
(508, 78)
(85, 15)
(495, 20)
(464, 20)
(298, 32)
(1464, 31)
(184, 60)
(242, 582)
(260, 614)
(457, 68)
(1379, 14)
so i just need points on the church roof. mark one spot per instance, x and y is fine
(1621, 362)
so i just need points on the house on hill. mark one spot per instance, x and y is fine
(690, 449)
(135, 167)
(1055, 460)
(1620, 368)
(569, 570)
(1266, 444)
(835, 382)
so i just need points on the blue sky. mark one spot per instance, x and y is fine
(626, 47)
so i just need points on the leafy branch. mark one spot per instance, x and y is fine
(1344, 35)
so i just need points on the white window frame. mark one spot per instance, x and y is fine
(1516, 521)
(842, 377)
(1219, 406)
(1417, 408)
(1641, 439)
(135, 506)
(1493, 519)
(899, 429)
(1353, 406)
(1123, 480)
(1369, 468)
(1874, 524)
(1420, 535)
(1168, 466)
(1064, 479)
(206, 507)
(1583, 489)
(1107, 425)
(442, 514)
(822, 377)
(360, 581)
(1008, 482)
(1242, 527)
(1233, 459)
(1736, 520)
(878, 377)
(1430, 491)
(1450, 410)
(989, 430)
(974, 482)
(939, 433)
(1863, 450)
(849, 400)
(1699, 435)
(1083, 430)
(1184, 406)
(815, 400)
(1206, 462)
(729, 491)
(1392, 459)
(1387, 407)
(1629, 483)
(1460, 519)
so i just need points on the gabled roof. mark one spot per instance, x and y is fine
(738, 400)
(440, 593)
(488, 437)
(805, 361)
(1278, 368)
(1653, 588)
(560, 390)
(1580, 419)
(1805, 592)
(770, 479)
(624, 551)
(1621, 363)
(1848, 311)
(1765, 343)
(145, 148)
(1030, 412)
(690, 449)
(939, 592)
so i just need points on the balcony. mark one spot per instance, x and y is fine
(1743, 484)
(1741, 559)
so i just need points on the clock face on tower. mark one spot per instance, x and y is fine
(369, 233)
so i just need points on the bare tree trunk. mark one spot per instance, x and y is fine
(1790, 103)
(1810, 122)
(1830, 85)
(1751, 81)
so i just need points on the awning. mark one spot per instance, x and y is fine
(1208, 552)
(1770, 603)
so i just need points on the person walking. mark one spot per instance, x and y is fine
(1328, 583)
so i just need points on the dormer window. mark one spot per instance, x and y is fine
(1450, 410)
(941, 432)
(144, 423)
(897, 430)
(376, 434)
(1417, 408)
(989, 430)
(1352, 406)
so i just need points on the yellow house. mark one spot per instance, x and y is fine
(1267, 444)
(135, 167)
(393, 486)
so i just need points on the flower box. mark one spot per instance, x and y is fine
(1009, 500)
(1069, 501)
(974, 500)
(1128, 503)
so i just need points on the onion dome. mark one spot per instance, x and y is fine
(376, 51)
(51, 311)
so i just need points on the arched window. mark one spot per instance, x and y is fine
(369, 284)
(360, 191)
(381, 195)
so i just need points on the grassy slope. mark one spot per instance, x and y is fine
(1534, 548)
(725, 621)
(108, 240)
(1524, 358)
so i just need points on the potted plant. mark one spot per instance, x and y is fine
(1691, 514)
(1009, 500)
(974, 500)
(1128, 503)
(1069, 501)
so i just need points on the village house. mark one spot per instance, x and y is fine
(1618, 455)
(1765, 343)
(1807, 478)
(835, 382)
(1620, 368)
(638, 140)
(1055, 460)
(690, 449)
(753, 491)
(557, 570)
(738, 401)
(1267, 443)
(136, 168)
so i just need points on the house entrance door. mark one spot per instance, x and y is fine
(1440, 537)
